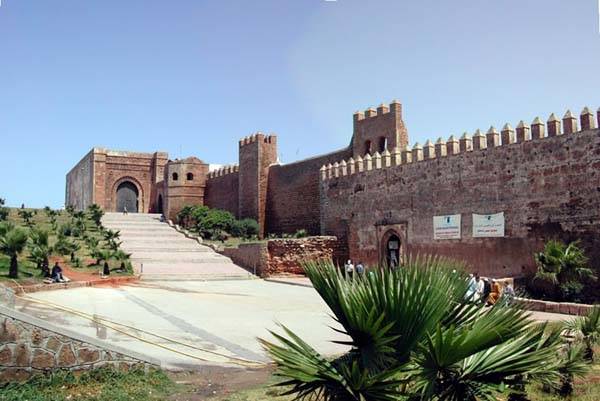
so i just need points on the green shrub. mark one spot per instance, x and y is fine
(245, 228)
(214, 222)
(562, 272)
(301, 233)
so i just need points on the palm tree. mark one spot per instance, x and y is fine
(95, 213)
(40, 249)
(122, 257)
(26, 215)
(587, 330)
(564, 268)
(12, 243)
(4, 211)
(412, 335)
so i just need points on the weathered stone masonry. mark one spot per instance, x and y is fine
(29, 346)
(547, 186)
(543, 177)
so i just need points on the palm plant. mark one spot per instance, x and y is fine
(111, 235)
(26, 215)
(564, 268)
(587, 330)
(39, 248)
(12, 243)
(122, 257)
(95, 213)
(4, 211)
(412, 335)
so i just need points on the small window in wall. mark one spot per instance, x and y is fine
(382, 144)
(175, 176)
(190, 176)
(368, 147)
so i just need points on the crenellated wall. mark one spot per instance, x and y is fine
(544, 177)
(222, 189)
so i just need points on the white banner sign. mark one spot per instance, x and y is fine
(446, 227)
(488, 225)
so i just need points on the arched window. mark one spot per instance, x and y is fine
(368, 147)
(190, 176)
(175, 176)
(382, 144)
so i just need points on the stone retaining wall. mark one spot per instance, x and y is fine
(31, 346)
(283, 256)
(566, 308)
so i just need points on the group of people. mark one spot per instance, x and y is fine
(350, 268)
(488, 291)
(56, 275)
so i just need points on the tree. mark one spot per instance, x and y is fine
(4, 211)
(95, 213)
(12, 243)
(123, 258)
(40, 249)
(586, 329)
(412, 335)
(26, 215)
(562, 270)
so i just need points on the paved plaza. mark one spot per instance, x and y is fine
(225, 317)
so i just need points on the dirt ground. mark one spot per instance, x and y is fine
(217, 383)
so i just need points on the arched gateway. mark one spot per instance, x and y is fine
(127, 197)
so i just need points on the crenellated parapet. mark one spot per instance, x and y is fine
(225, 170)
(538, 130)
(258, 137)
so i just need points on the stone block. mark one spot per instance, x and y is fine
(42, 359)
(88, 355)
(11, 375)
(564, 308)
(53, 344)
(552, 307)
(22, 355)
(6, 356)
(36, 337)
(66, 357)
(9, 332)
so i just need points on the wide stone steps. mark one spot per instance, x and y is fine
(159, 252)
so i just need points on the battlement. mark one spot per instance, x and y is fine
(395, 107)
(258, 137)
(224, 171)
(524, 132)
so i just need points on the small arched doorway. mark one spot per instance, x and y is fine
(392, 251)
(160, 204)
(127, 197)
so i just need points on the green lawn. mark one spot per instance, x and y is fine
(28, 272)
(98, 385)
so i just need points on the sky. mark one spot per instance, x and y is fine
(192, 77)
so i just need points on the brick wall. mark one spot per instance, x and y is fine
(283, 256)
(293, 196)
(27, 348)
(187, 189)
(547, 188)
(222, 190)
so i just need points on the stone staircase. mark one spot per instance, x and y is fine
(159, 252)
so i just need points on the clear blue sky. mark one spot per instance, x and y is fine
(198, 75)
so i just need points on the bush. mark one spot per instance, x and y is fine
(301, 233)
(214, 222)
(562, 272)
(245, 228)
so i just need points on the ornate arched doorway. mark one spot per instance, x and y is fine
(127, 197)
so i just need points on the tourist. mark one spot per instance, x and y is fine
(480, 288)
(509, 293)
(471, 288)
(360, 268)
(349, 268)
(487, 288)
(124, 209)
(495, 293)
(57, 275)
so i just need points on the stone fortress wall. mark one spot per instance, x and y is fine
(545, 178)
(542, 176)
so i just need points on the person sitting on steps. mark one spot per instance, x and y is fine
(57, 275)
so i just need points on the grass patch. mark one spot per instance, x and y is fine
(28, 272)
(104, 384)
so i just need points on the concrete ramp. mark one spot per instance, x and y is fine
(159, 252)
